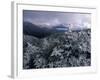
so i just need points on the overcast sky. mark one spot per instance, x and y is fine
(52, 18)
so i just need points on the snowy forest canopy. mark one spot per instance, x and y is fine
(56, 39)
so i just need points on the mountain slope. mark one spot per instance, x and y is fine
(40, 31)
(70, 49)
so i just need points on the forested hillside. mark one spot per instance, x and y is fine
(64, 49)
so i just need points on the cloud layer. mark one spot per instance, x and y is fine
(51, 18)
